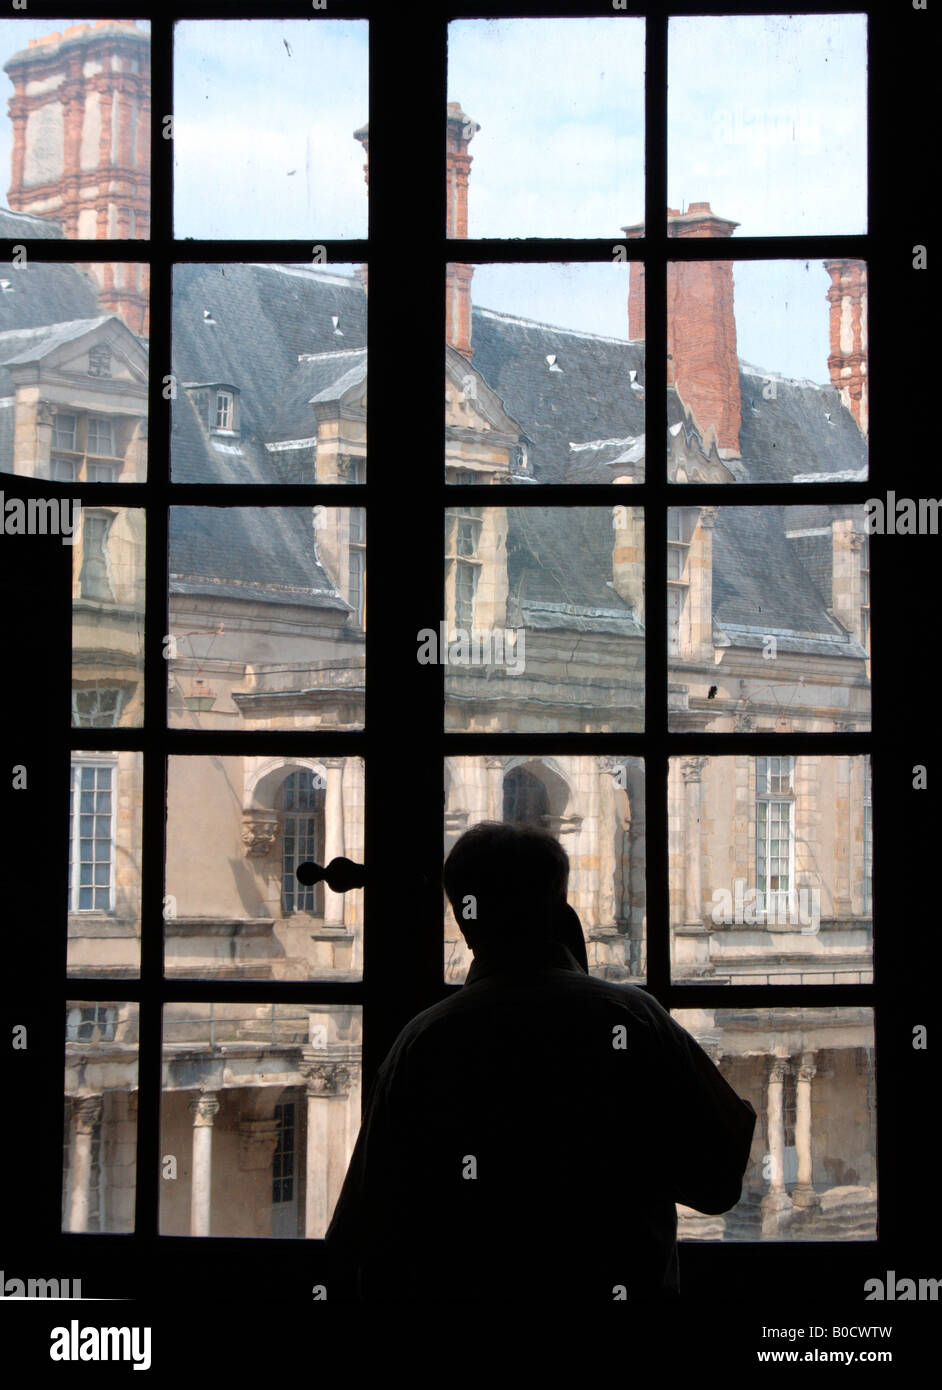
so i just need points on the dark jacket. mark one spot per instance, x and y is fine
(537, 1128)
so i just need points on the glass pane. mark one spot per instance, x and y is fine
(234, 908)
(80, 150)
(542, 384)
(108, 618)
(270, 365)
(810, 1074)
(99, 1152)
(594, 806)
(782, 137)
(261, 150)
(770, 887)
(802, 416)
(245, 1085)
(769, 628)
(267, 614)
(544, 624)
(104, 906)
(77, 331)
(562, 99)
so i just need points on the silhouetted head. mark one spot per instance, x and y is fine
(506, 885)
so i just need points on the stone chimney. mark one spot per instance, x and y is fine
(703, 364)
(363, 135)
(847, 362)
(81, 145)
(460, 131)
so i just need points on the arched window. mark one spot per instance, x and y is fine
(526, 800)
(302, 825)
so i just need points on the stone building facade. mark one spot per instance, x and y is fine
(267, 632)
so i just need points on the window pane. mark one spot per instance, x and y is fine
(81, 145)
(594, 806)
(810, 1073)
(105, 838)
(803, 414)
(267, 619)
(237, 829)
(783, 135)
(81, 332)
(231, 1071)
(99, 1173)
(261, 151)
(770, 874)
(769, 621)
(108, 618)
(531, 402)
(544, 624)
(271, 366)
(562, 99)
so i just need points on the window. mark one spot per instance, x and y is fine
(464, 530)
(224, 411)
(100, 437)
(94, 580)
(97, 709)
(91, 838)
(775, 838)
(302, 829)
(64, 431)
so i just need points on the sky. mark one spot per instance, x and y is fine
(777, 144)
(261, 149)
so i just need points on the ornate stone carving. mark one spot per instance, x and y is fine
(86, 1112)
(259, 832)
(692, 768)
(326, 1079)
(204, 1109)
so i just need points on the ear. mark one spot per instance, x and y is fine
(568, 930)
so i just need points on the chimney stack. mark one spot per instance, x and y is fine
(847, 362)
(460, 131)
(80, 112)
(703, 364)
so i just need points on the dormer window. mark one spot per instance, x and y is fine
(224, 412)
(99, 361)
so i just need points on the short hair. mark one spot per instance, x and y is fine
(514, 873)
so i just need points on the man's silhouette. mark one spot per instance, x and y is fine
(529, 1136)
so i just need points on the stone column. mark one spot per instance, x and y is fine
(86, 1113)
(804, 1194)
(698, 645)
(494, 773)
(775, 1202)
(691, 771)
(333, 836)
(323, 1081)
(203, 1110)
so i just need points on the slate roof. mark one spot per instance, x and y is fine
(22, 345)
(25, 224)
(324, 376)
(589, 398)
(568, 585)
(791, 433)
(263, 554)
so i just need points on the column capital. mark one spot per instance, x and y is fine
(203, 1109)
(333, 763)
(692, 768)
(807, 1069)
(708, 517)
(326, 1079)
(778, 1068)
(494, 761)
(86, 1112)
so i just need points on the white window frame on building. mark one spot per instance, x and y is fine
(102, 893)
(302, 838)
(774, 903)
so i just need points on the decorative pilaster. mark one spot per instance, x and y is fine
(333, 836)
(691, 769)
(325, 1087)
(775, 1203)
(494, 773)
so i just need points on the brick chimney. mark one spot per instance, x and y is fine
(703, 365)
(81, 144)
(460, 131)
(847, 362)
